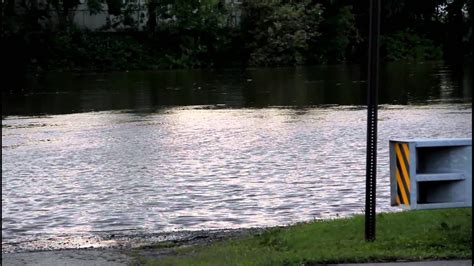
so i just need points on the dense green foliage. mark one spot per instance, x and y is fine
(279, 32)
(78, 50)
(340, 34)
(413, 235)
(410, 46)
(197, 34)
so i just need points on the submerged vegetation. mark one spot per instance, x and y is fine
(412, 235)
(42, 35)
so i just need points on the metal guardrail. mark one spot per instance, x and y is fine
(431, 173)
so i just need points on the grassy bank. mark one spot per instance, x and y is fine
(410, 235)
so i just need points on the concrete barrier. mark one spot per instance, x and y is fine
(431, 173)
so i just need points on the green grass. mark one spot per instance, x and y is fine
(409, 235)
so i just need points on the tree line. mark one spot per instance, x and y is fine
(41, 34)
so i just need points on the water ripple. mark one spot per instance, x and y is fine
(198, 168)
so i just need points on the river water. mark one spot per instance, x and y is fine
(150, 152)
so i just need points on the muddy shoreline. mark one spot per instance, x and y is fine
(116, 241)
(111, 249)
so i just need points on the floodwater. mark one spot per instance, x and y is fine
(150, 152)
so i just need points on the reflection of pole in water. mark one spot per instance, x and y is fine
(445, 85)
(467, 82)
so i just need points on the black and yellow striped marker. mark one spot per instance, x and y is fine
(403, 173)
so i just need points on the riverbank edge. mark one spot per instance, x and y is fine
(428, 235)
(197, 245)
(124, 248)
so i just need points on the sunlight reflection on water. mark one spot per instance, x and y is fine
(195, 168)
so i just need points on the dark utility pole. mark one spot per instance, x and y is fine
(372, 87)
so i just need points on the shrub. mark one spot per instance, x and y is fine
(75, 49)
(279, 32)
(338, 34)
(409, 45)
(197, 32)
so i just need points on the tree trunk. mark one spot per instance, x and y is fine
(151, 22)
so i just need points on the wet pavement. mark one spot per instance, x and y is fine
(104, 257)
(121, 252)
(114, 257)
